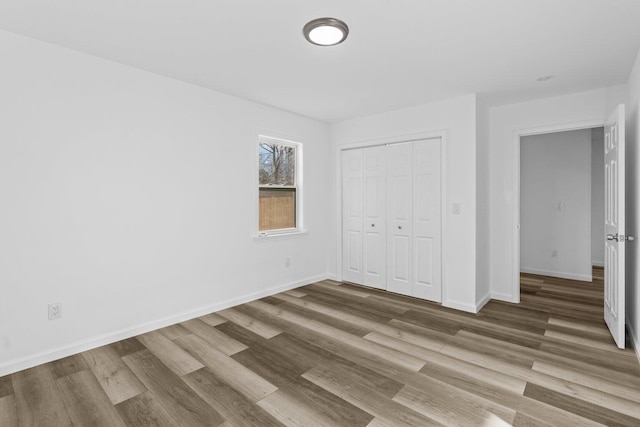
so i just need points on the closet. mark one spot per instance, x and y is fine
(391, 218)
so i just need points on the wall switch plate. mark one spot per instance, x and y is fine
(55, 311)
(287, 262)
(455, 208)
(554, 254)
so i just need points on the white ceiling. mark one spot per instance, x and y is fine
(399, 52)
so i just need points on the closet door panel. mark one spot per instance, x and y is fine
(352, 218)
(400, 271)
(427, 255)
(375, 215)
(399, 222)
(424, 266)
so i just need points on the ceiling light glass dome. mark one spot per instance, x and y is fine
(326, 31)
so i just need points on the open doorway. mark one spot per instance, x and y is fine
(562, 206)
(614, 238)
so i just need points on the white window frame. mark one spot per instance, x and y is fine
(299, 229)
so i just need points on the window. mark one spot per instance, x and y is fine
(278, 186)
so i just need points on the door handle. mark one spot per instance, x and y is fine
(373, 225)
(621, 237)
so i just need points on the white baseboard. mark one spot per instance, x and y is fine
(634, 340)
(560, 274)
(597, 263)
(333, 277)
(470, 308)
(91, 343)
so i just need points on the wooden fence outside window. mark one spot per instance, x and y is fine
(277, 208)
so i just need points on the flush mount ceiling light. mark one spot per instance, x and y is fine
(326, 31)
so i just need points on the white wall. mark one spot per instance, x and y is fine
(555, 204)
(131, 199)
(483, 199)
(583, 109)
(633, 204)
(597, 197)
(458, 118)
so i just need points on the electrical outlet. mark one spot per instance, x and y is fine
(287, 262)
(554, 254)
(55, 311)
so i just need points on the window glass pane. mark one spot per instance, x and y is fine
(277, 164)
(277, 208)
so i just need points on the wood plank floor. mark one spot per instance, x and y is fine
(332, 354)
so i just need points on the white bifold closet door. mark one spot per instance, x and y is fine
(414, 255)
(364, 216)
(391, 218)
(400, 223)
(427, 224)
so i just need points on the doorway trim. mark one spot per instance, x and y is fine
(398, 139)
(516, 138)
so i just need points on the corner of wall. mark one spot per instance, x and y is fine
(483, 191)
(481, 302)
(498, 296)
(634, 339)
(633, 203)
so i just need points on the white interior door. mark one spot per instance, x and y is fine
(427, 274)
(352, 218)
(614, 259)
(400, 218)
(375, 218)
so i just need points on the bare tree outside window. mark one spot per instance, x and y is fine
(277, 185)
(277, 164)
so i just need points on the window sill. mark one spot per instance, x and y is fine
(264, 237)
